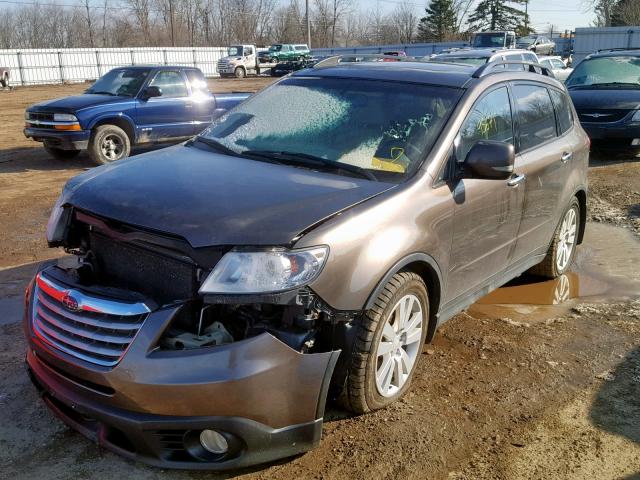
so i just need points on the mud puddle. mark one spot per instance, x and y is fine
(605, 271)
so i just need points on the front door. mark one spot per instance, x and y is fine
(487, 212)
(168, 116)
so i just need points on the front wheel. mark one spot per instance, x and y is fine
(388, 345)
(4, 81)
(108, 143)
(562, 250)
(239, 72)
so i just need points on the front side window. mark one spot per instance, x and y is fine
(606, 72)
(121, 82)
(530, 57)
(197, 81)
(385, 128)
(490, 119)
(170, 83)
(235, 51)
(536, 117)
(562, 104)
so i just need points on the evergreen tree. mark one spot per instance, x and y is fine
(499, 15)
(439, 23)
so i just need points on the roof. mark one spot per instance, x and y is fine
(616, 52)
(445, 74)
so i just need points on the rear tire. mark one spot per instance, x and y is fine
(107, 144)
(388, 345)
(60, 154)
(562, 250)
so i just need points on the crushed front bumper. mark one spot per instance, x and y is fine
(266, 398)
(71, 140)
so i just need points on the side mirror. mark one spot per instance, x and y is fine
(491, 160)
(151, 92)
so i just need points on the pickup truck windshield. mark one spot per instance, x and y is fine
(383, 129)
(123, 82)
(606, 72)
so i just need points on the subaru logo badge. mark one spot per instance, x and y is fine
(70, 303)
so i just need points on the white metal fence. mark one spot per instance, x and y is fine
(46, 66)
(589, 40)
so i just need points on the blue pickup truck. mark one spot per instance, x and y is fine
(127, 106)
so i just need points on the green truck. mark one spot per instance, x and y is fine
(283, 52)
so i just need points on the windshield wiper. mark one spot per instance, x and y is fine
(308, 160)
(219, 146)
(101, 93)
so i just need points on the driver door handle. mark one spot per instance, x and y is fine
(517, 180)
(566, 156)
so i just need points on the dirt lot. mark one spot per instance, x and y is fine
(538, 380)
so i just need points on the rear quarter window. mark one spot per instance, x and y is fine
(562, 105)
(535, 113)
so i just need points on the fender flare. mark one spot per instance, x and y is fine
(119, 117)
(411, 258)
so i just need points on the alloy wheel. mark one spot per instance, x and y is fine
(399, 345)
(112, 147)
(566, 239)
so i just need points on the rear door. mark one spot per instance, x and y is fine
(487, 212)
(169, 115)
(542, 158)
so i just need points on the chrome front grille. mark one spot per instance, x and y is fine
(93, 329)
(602, 116)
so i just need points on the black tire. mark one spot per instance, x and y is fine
(361, 393)
(60, 154)
(549, 267)
(99, 148)
(4, 81)
(239, 72)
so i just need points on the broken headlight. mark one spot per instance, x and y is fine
(267, 271)
(58, 219)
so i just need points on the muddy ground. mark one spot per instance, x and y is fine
(537, 380)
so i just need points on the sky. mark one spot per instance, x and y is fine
(565, 14)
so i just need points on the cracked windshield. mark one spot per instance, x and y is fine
(378, 130)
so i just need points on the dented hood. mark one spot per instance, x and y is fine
(213, 199)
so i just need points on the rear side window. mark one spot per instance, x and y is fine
(535, 115)
(196, 81)
(563, 110)
(490, 119)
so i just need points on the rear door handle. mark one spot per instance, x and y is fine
(566, 156)
(517, 180)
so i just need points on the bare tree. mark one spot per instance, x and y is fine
(87, 7)
(405, 22)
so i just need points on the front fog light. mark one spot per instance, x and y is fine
(214, 442)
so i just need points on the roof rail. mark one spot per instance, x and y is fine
(490, 67)
(361, 57)
(617, 49)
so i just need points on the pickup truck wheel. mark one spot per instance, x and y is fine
(108, 143)
(562, 251)
(239, 72)
(61, 154)
(388, 345)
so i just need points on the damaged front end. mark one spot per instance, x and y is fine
(131, 345)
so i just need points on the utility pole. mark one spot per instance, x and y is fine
(173, 40)
(308, 25)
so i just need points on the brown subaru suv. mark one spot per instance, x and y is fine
(303, 247)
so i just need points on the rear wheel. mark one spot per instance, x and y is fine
(108, 143)
(562, 250)
(388, 345)
(60, 154)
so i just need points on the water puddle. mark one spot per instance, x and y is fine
(606, 270)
